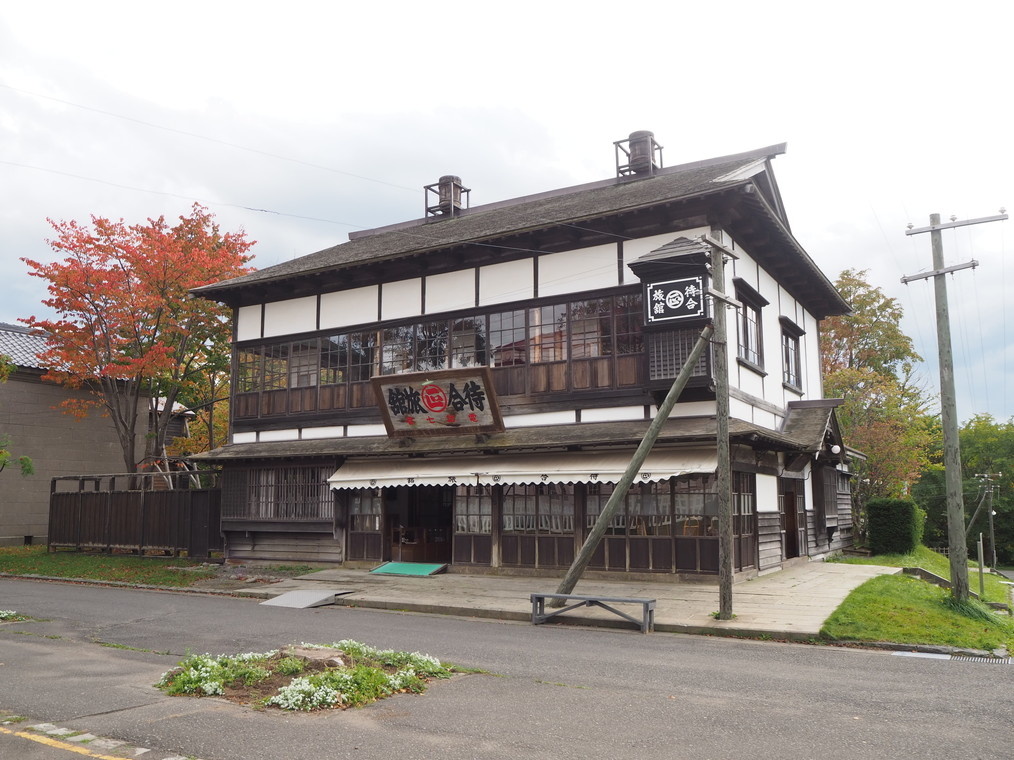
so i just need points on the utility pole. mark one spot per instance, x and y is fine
(957, 546)
(986, 479)
(615, 501)
(719, 302)
(992, 533)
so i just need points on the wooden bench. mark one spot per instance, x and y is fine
(646, 623)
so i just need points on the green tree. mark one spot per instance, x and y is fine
(871, 336)
(987, 448)
(6, 456)
(868, 361)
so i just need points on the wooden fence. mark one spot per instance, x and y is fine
(143, 513)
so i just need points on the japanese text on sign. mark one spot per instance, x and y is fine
(675, 299)
(450, 401)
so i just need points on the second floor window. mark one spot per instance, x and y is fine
(750, 347)
(791, 362)
(749, 334)
(561, 332)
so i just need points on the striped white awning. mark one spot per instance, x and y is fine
(515, 469)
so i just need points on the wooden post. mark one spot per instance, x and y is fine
(623, 485)
(956, 541)
(724, 470)
(958, 550)
(992, 531)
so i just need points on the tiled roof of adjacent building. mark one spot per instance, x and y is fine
(21, 344)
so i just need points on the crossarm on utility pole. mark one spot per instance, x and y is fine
(623, 485)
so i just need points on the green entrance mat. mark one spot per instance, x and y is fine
(408, 568)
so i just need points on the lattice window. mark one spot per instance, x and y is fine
(668, 353)
(290, 493)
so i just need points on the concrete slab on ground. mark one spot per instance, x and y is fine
(305, 598)
(792, 603)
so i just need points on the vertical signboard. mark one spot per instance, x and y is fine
(673, 300)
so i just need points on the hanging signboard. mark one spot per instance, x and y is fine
(674, 299)
(447, 402)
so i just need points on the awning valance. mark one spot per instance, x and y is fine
(515, 469)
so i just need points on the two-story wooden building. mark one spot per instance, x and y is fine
(467, 387)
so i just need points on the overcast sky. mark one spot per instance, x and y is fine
(300, 122)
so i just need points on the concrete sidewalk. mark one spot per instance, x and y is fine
(788, 604)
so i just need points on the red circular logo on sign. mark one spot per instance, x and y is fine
(434, 398)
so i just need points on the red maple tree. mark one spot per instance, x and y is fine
(128, 330)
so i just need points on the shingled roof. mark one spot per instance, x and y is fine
(564, 206)
(694, 430)
(21, 344)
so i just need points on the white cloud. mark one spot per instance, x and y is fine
(891, 111)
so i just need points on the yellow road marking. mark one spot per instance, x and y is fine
(58, 744)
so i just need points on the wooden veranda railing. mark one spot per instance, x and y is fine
(152, 513)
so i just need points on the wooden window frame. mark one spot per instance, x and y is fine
(749, 326)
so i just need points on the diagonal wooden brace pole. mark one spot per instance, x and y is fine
(623, 485)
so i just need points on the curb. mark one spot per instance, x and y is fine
(138, 586)
(493, 614)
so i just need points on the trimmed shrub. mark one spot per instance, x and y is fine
(895, 525)
(920, 524)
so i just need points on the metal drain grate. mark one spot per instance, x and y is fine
(989, 660)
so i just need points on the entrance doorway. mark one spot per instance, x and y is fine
(419, 520)
(792, 508)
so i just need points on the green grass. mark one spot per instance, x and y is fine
(907, 610)
(36, 560)
(937, 564)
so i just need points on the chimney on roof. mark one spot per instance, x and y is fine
(444, 198)
(638, 155)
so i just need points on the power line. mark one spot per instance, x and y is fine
(206, 138)
(175, 195)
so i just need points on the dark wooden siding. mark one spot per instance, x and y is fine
(290, 547)
(164, 521)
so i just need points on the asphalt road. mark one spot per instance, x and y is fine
(552, 692)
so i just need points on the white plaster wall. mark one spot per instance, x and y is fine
(291, 434)
(330, 431)
(248, 322)
(808, 486)
(690, 409)
(535, 420)
(746, 269)
(575, 271)
(740, 410)
(450, 292)
(348, 307)
(612, 414)
(358, 431)
(766, 419)
(767, 493)
(292, 316)
(506, 282)
(809, 346)
(244, 437)
(749, 381)
(771, 334)
(401, 299)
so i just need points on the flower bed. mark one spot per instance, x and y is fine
(308, 677)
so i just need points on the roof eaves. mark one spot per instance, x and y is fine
(278, 272)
